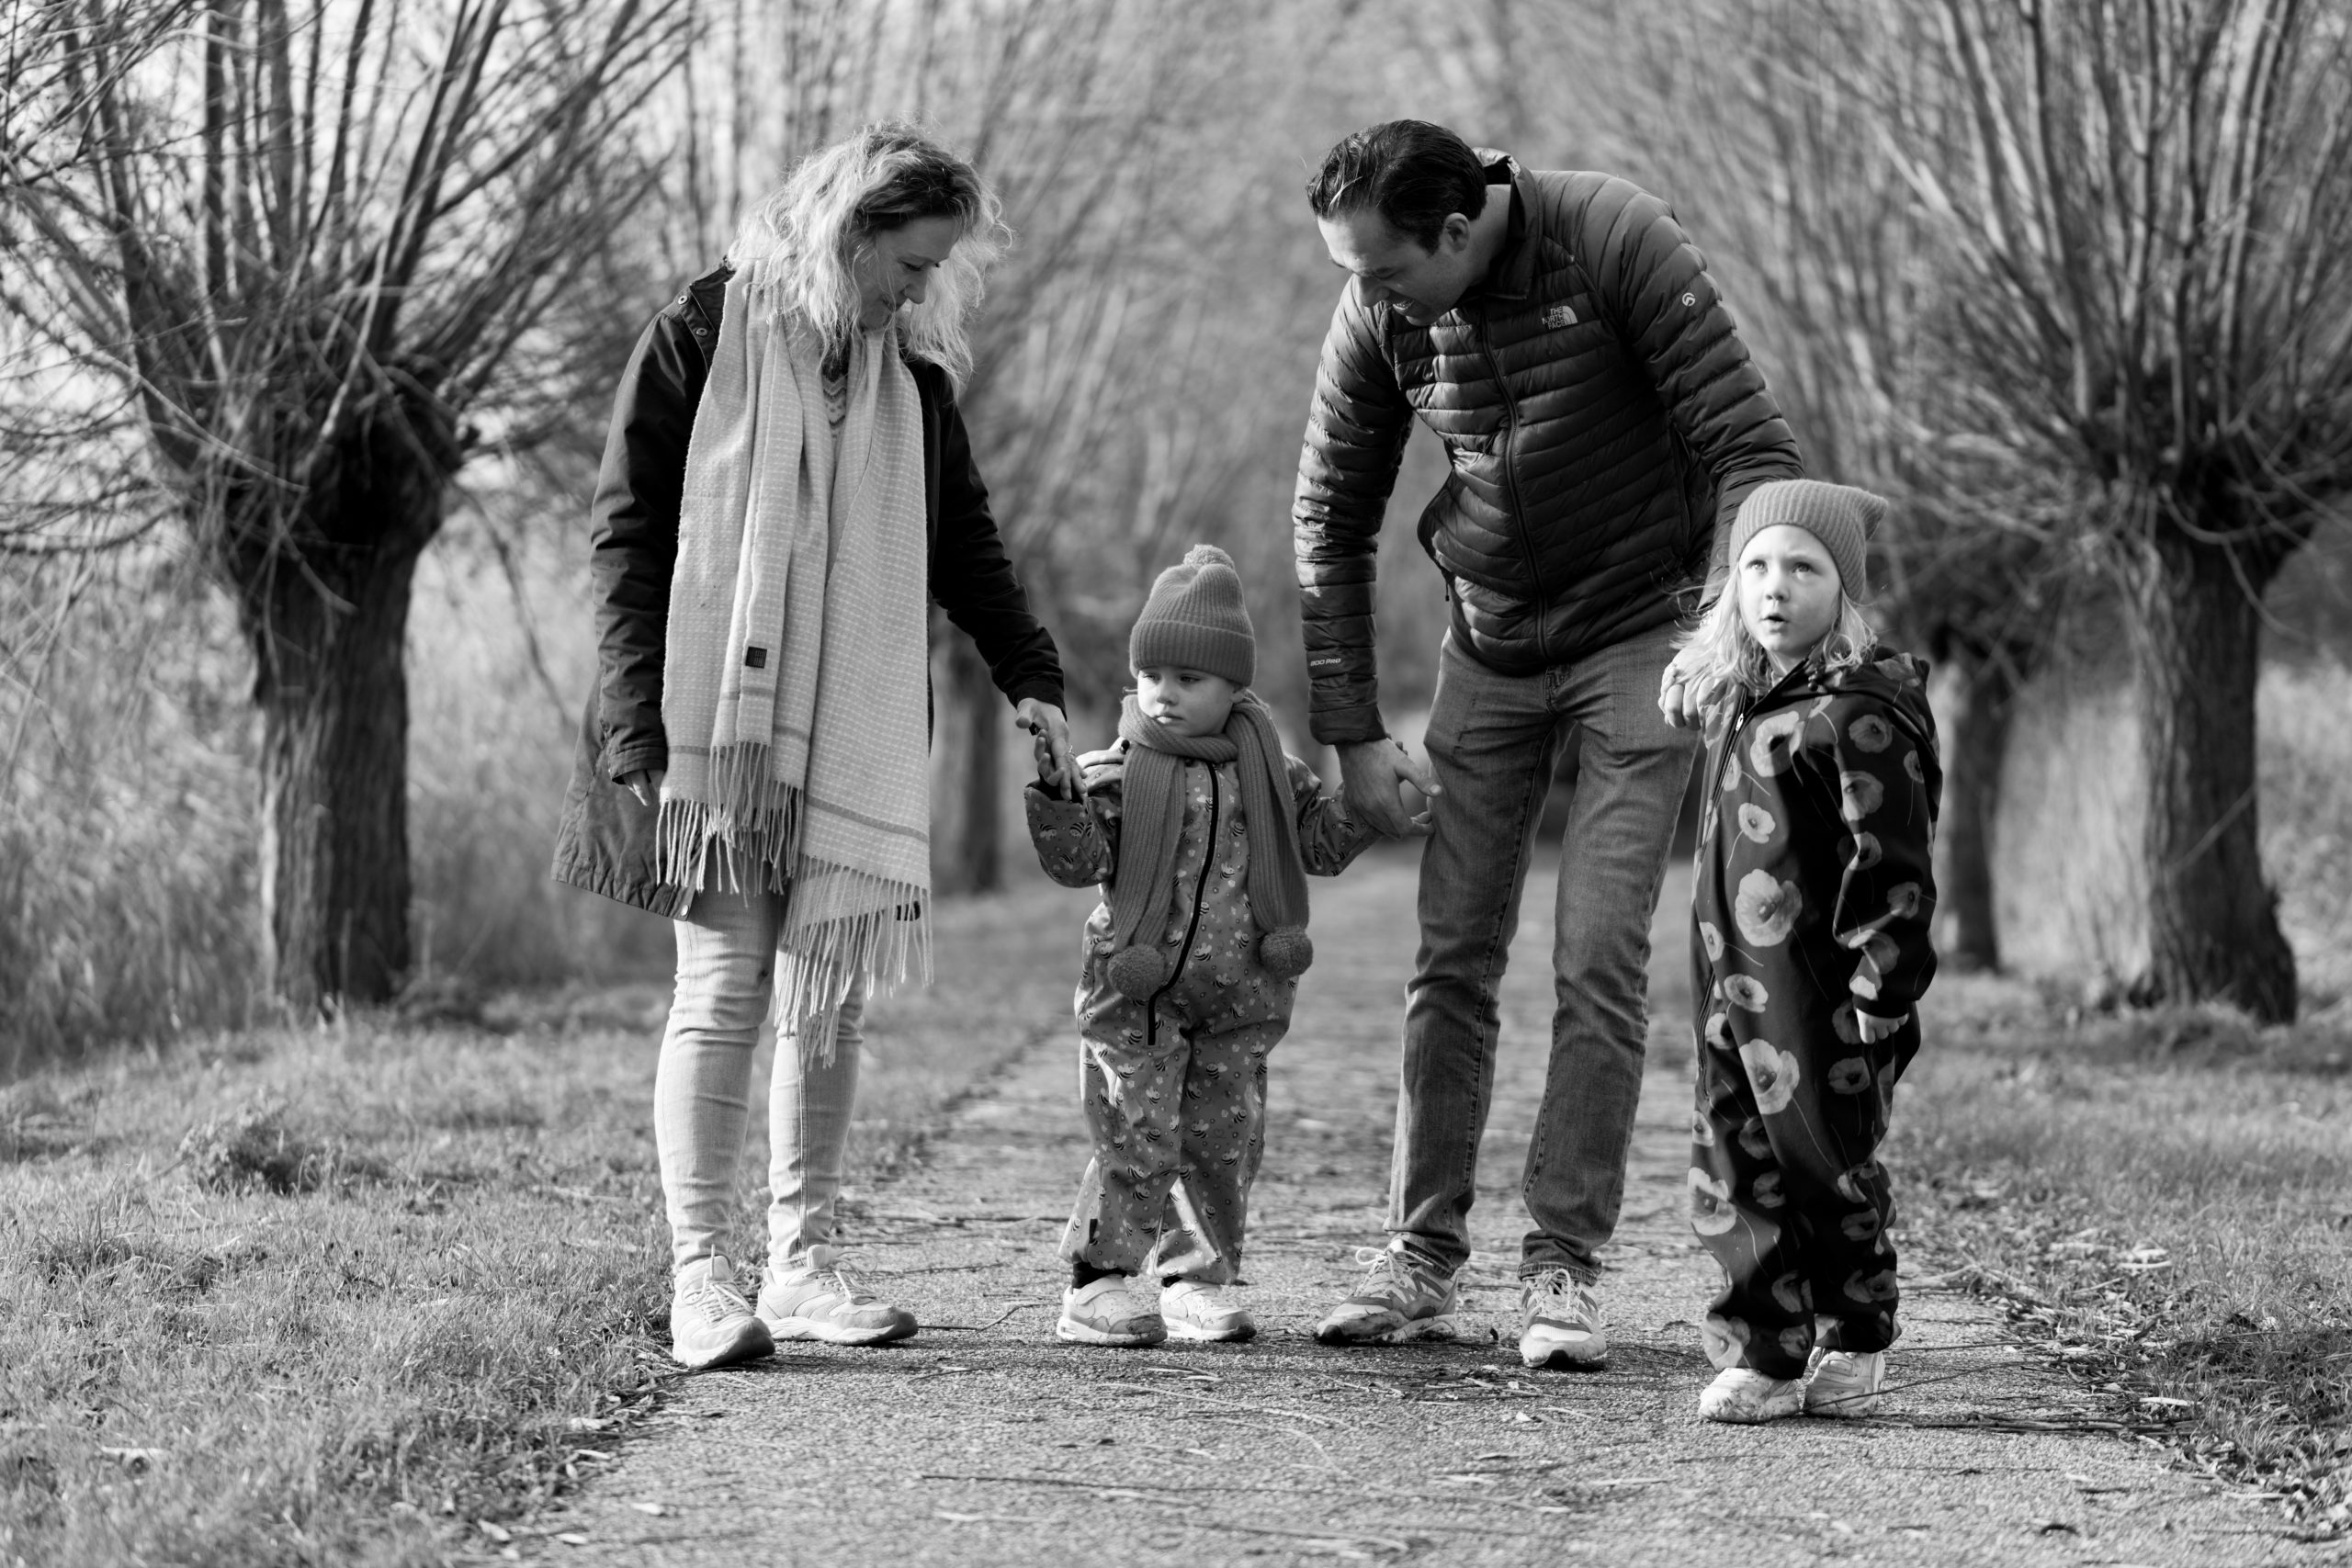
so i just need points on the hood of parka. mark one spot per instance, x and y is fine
(1895, 679)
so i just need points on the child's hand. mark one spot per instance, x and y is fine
(1874, 1028)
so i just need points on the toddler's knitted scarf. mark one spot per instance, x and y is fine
(1151, 822)
(793, 687)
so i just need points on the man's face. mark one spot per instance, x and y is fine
(1393, 269)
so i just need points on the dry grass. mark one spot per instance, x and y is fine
(337, 1296)
(2164, 1202)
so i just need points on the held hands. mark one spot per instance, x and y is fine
(645, 783)
(1370, 771)
(1049, 743)
(1677, 691)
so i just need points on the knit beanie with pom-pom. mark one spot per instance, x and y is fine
(1195, 619)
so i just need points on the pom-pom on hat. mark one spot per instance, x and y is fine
(1840, 516)
(1194, 619)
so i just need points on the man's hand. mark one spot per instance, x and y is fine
(646, 784)
(1049, 741)
(1370, 771)
(1677, 691)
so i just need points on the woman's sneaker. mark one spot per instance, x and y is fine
(1747, 1397)
(1844, 1383)
(1110, 1311)
(1400, 1298)
(1560, 1318)
(711, 1323)
(817, 1302)
(1195, 1310)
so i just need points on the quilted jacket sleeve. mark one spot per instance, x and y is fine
(1356, 429)
(633, 539)
(1887, 895)
(972, 578)
(1655, 285)
(1329, 839)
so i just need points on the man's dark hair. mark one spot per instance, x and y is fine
(1413, 174)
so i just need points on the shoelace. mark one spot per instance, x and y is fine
(1556, 1288)
(849, 1294)
(715, 1300)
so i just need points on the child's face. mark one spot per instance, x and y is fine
(1190, 703)
(1789, 594)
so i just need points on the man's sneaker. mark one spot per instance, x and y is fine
(711, 1323)
(1400, 1299)
(1195, 1310)
(1560, 1315)
(1747, 1397)
(817, 1302)
(1110, 1311)
(1844, 1383)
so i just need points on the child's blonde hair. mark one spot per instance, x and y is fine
(1734, 667)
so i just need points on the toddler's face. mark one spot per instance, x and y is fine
(1788, 594)
(1190, 703)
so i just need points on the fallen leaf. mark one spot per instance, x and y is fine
(656, 1509)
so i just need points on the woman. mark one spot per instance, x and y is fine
(787, 469)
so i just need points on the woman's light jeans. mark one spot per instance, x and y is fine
(702, 1089)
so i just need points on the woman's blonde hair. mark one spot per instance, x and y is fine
(1734, 666)
(802, 239)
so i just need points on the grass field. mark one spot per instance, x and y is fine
(337, 1297)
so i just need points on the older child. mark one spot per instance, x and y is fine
(1809, 949)
(1201, 832)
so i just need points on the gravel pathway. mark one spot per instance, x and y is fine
(985, 1442)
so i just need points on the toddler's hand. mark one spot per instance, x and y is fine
(1874, 1028)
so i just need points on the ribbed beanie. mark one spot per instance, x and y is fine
(1194, 619)
(1840, 516)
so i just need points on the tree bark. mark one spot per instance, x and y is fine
(1976, 744)
(327, 619)
(2212, 919)
(974, 860)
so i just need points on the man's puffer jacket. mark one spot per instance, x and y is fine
(1601, 416)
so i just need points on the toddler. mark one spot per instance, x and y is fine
(1809, 951)
(1201, 832)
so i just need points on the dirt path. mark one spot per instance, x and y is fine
(987, 1443)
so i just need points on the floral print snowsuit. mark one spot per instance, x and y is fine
(1812, 901)
(1175, 1091)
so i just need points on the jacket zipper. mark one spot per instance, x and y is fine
(1511, 477)
(1200, 887)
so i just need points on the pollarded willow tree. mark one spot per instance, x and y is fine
(277, 270)
(2146, 211)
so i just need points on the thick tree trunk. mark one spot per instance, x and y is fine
(973, 859)
(1975, 742)
(2212, 920)
(329, 634)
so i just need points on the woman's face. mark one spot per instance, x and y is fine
(1788, 594)
(897, 266)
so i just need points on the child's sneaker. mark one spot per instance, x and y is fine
(1844, 1383)
(1745, 1396)
(1561, 1319)
(1195, 1310)
(1400, 1299)
(711, 1323)
(1110, 1311)
(818, 1301)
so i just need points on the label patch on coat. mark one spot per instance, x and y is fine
(755, 658)
(1559, 316)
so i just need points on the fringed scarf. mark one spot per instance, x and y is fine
(1152, 822)
(794, 689)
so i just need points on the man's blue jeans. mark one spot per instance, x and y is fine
(1493, 741)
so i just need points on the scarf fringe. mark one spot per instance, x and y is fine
(751, 829)
(887, 943)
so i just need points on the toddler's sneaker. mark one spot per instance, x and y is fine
(1401, 1298)
(1195, 1310)
(1747, 1397)
(711, 1323)
(1561, 1318)
(817, 1302)
(1844, 1383)
(1110, 1311)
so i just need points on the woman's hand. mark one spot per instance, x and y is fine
(1677, 691)
(645, 783)
(1049, 741)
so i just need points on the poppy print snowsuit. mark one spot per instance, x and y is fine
(1812, 902)
(1177, 1088)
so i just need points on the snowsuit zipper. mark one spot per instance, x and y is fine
(1199, 887)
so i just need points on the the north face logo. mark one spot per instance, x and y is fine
(1559, 316)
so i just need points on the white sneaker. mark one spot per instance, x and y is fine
(1747, 1397)
(1110, 1311)
(711, 1323)
(1844, 1383)
(1560, 1322)
(1195, 1310)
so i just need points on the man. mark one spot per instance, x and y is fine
(1561, 335)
